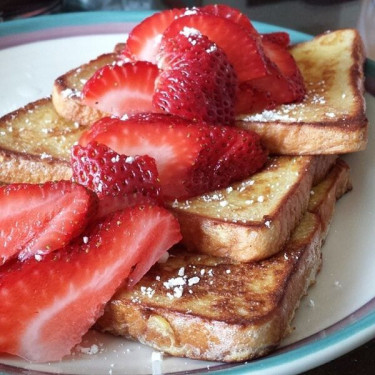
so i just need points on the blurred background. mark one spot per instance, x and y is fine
(310, 16)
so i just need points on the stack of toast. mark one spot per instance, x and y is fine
(250, 251)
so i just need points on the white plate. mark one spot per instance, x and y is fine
(339, 312)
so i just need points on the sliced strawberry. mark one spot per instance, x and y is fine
(284, 83)
(48, 305)
(198, 82)
(122, 88)
(244, 51)
(280, 37)
(143, 41)
(231, 14)
(252, 100)
(37, 219)
(118, 180)
(191, 157)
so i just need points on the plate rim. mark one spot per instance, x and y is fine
(352, 335)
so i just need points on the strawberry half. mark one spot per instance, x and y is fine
(244, 50)
(122, 88)
(197, 82)
(192, 158)
(231, 14)
(51, 304)
(38, 219)
(118, 180)
(143, 41)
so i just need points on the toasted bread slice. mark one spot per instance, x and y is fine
(35, 144)
(211, 308)
(332, 117)
(324, 195)
(66, 91)
(254, 218)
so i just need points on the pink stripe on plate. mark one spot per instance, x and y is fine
(63, 32)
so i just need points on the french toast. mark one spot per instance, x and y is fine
(35, 144)
(330, 120)
(259, 213)
(252, 219)
(212, 308)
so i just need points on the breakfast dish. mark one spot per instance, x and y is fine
(47, 166)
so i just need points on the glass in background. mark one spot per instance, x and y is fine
(366, 26)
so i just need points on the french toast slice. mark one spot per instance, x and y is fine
(35, 144)
(252, 219)
(247, 221)
(330, 120)
(332, 117)
(212, 308)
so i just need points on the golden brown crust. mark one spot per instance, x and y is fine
(307, 139)
(218, 331)
(335, 185)
(332, 121)
(19, 167)
(35, 144)
(253, 240)
(66, 91)
(71, 108)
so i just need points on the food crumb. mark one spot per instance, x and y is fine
(91, 350)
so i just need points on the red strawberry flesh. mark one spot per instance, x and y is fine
(244, 50)
(197, 82)
(143, 41)
(123, 88)
(231, 14)
(50, 304)
(118, 180)
(37, 219)
(281, 38)
(192, 158)
(283, 84)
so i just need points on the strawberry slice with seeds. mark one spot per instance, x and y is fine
(37, 219)
(231, 14)
(123, 88)
(191, 157)
(280, 55)
(51, 303)
(143, 41)
(283, 84)
(118, 180)
(244, 50)
(198, 82)
(279, 37)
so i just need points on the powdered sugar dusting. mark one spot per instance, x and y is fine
(189, 31)
(314, 107)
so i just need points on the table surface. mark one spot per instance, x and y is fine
(309, 16)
